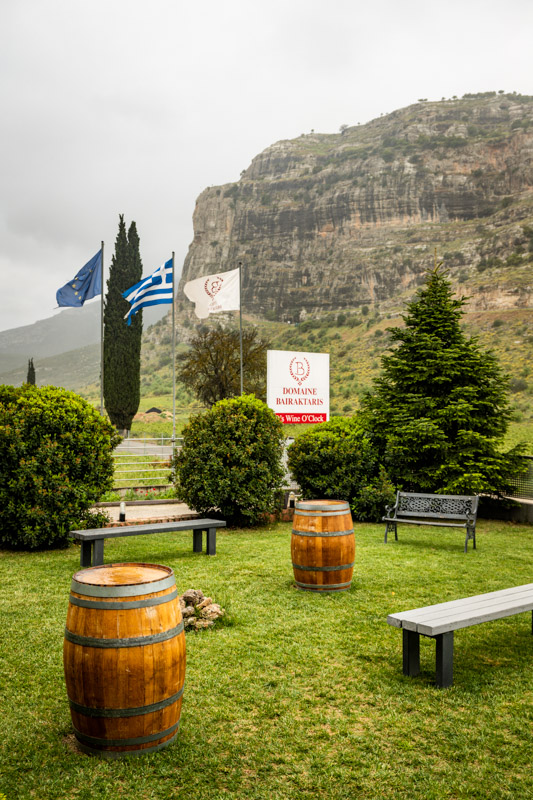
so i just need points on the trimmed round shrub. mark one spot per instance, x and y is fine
(336, 460)
(55, 462)
(230, 461)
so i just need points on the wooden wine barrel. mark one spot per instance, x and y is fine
(323, 545)
(124, 658)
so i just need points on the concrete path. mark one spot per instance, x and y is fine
(154, 511)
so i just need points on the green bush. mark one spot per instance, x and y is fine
(518, 385)
(336, 460)
(55, 463)
(230, 461)
(373, 498)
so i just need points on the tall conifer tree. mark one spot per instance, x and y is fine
(122, 343)
(31, 373)
(440, 410)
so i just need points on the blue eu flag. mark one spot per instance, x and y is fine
(86, 284)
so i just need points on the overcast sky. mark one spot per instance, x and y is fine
(134, 107)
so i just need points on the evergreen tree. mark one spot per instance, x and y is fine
(122, 343)
(31, 373)
(439, 411)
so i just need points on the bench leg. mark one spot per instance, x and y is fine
(197, 541)
(98, 552)
(411, 653)
(86, 554)
(92, 553)
(211, 544)
(470, 534)
(391, 527)
(444, 659)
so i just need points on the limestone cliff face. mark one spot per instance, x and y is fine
(326, 222)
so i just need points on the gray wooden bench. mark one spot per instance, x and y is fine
(442, 510)
(92, 541)
(440, 621)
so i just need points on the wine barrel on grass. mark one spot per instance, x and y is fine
(124, 658)
(323, 545)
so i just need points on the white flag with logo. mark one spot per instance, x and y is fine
(213, 293)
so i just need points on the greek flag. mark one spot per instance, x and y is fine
(154, 290)
(86, 284)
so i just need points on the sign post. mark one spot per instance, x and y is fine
(298, 386)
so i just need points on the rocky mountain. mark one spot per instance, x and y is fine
(330, 222)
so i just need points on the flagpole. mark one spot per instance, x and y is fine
(173, 361)
(240, 319)
(102, 334)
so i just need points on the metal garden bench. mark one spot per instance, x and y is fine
(442, 510)
(92, 541)
(440, 621)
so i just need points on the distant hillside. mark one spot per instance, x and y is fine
(47, 340)
(75, 369)
(66, 330)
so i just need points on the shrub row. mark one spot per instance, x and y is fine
(230, 461)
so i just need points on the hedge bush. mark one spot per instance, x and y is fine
(55, 462)
(230, 461)
(336, 460)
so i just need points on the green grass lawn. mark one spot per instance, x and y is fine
(297, 695)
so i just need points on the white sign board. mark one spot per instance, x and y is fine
(298, 385)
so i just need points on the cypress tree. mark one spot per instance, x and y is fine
(31, 373)
(440, 410)
(122, 342)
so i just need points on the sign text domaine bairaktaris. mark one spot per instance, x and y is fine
(298, 385)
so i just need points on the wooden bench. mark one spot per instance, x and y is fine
(92, 541)
(440, 621)
(443, 510)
